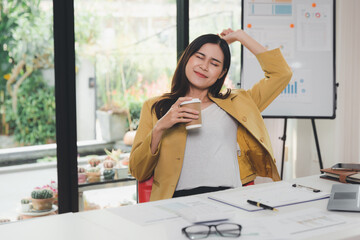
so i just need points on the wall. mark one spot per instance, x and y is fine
(85, 101)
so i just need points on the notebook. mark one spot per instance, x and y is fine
(342, 172)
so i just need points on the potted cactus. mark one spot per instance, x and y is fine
(94, 161)
(93, 174)
(25, 205)
(109, 174)
(114, 155)
(42, 199)
(108, 164)
(120, 165)
(81, 175)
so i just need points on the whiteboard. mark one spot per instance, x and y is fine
(304, 31)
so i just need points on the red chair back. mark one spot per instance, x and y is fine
(144, 190)
(249, 183)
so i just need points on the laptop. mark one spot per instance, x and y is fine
(344, 197)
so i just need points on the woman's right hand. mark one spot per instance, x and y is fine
(177, 114)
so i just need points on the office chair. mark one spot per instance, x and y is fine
(249, 184)
(144, 190)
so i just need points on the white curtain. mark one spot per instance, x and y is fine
(348, 73)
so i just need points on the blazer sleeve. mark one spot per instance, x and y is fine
(142, 162)
(277, 76)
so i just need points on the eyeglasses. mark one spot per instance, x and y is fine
(199, 231)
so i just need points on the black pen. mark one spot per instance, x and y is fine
(313, 189)
(261, 205)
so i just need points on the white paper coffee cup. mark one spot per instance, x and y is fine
(194, 103)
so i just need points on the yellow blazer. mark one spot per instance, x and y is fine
(256, 157)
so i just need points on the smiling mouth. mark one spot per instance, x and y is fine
(200, 75)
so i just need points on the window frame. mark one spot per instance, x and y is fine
(65, 94)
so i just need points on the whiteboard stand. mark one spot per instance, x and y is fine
(283, 138)
(317, 143)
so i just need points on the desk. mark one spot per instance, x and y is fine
(110, 223)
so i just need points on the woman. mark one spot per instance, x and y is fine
(232, 147)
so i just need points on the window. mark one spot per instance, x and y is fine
(27, 105)
(125, 54)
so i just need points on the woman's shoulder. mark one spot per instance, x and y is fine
(152, 100)
(236, 92)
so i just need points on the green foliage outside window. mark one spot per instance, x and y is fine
(35, 117)
(27, 49)
(131, 69)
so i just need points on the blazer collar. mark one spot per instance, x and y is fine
(227, 106)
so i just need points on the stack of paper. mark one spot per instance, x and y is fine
(276, 195)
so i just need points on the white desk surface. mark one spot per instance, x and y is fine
(109, 224)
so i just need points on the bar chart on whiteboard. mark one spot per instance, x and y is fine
(299, 89)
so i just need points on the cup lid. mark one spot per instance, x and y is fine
(194, 100)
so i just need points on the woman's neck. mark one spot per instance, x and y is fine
(200, 94)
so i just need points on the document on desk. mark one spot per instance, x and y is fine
(307, 223)
(197, 210)
(193, 209)
(143, 214)
(277, 194)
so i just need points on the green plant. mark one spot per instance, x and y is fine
(114, 155)
(30, 46)
(135, 110)
(94, 161)
(42, 194)
(34, 121)
(27, 47)
(25, 201)
(10, 11)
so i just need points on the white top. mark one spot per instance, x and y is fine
(210, 153)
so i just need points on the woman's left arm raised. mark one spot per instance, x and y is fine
(240, 35)
(277, 72)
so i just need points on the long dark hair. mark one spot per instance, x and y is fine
(180, 84)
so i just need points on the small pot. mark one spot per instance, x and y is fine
(25, 207)
(82, 177)
(109, 174)
(93, 177)
(42, 204)
(121, 173)
(129, 137)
